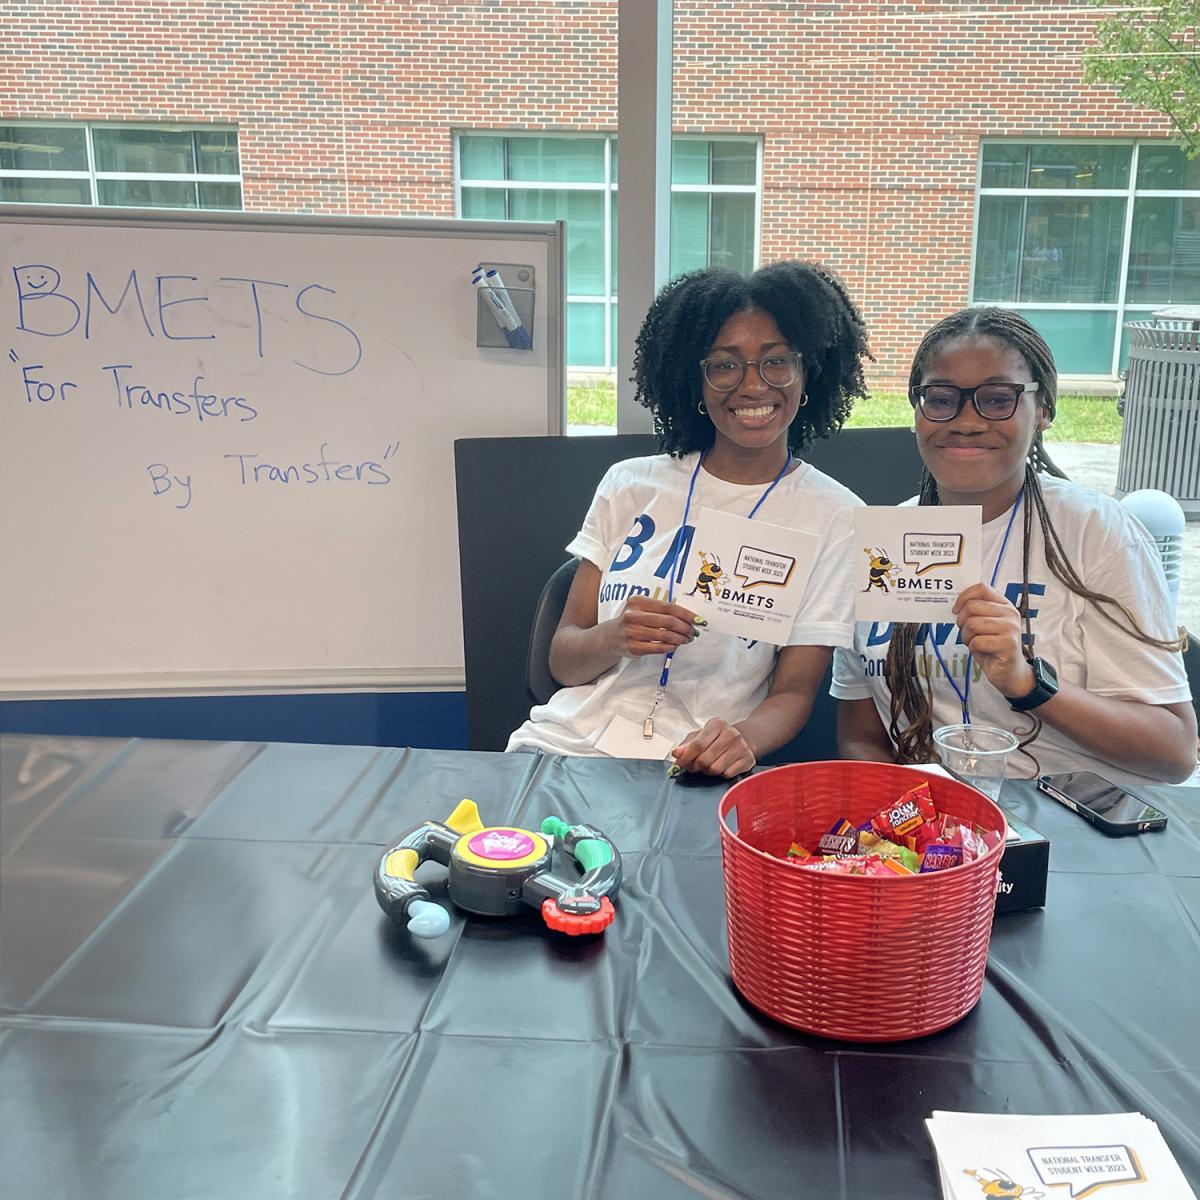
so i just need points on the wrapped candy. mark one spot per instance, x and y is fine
(940, 857)
(907, 815)
(841, 840)
(874, 844)
(907, 837)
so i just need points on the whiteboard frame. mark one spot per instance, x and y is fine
(551, 294)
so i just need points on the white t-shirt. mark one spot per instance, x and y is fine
(629, 534)
(1114, 555)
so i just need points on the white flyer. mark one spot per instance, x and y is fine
(746, 578)
(981, 1155)
(913, 561)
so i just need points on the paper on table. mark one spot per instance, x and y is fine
(981, 1155)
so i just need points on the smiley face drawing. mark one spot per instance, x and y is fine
(36, 279)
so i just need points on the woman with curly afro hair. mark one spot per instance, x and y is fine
(740, 372)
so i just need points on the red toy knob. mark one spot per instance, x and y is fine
(577, 923)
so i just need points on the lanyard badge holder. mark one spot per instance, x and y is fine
(664, 678)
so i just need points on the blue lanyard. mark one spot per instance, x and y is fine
(648, 723)
(964, 692)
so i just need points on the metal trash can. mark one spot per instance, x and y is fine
(1160, 443)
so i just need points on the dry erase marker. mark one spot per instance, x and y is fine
(492, 278)
(494, 281)
(491, 300)
(494, 302)
(514, 334)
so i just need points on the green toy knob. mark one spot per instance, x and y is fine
(589, 852)
(555, 827)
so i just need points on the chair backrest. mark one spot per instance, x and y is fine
(539, 680)
(520, 501)
(510, 547)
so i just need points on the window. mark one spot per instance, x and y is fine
(715, 188)
(132, 166)
(1083, 236)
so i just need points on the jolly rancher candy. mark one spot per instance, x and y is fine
(907, 815)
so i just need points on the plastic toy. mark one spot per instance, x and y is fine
(496, 870)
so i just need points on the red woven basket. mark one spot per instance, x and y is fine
(859, 958)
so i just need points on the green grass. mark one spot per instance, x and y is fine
(1079, 418)
(1086, 419)
(592, 403)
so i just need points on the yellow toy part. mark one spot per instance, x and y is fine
(401, 864)
(465, 818)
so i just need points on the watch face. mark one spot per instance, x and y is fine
(1045, 685)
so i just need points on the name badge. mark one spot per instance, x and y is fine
(622, 738)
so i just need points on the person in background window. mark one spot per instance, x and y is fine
(1073, 646)
(740, 372)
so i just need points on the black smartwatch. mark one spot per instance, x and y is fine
(1045, 685)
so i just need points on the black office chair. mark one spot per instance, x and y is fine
(539, 681)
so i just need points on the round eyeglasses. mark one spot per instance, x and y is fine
(723, 372)
(992, 401)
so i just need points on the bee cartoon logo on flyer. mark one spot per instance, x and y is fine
(748, 578)
(939, 558)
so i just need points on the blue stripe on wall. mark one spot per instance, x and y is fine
(431, 720)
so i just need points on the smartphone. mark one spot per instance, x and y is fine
(1113, 809)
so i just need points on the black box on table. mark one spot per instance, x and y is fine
(1023, 869)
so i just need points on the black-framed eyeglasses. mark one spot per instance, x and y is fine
(992, 401)
(724, 372)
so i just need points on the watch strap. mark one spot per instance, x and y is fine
(1045, 686)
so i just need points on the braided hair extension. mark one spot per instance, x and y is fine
(908, 700)
(814, 313)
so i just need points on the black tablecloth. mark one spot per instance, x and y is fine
(200, 997)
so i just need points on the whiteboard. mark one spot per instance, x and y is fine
(227, 445)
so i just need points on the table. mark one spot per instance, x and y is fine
(200, 997)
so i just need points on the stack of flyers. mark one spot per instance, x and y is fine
(1038, 1158)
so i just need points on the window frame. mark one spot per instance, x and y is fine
(1130, 194)
(94, 176)
(609, 186)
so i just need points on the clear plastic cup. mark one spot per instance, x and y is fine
(976, 754)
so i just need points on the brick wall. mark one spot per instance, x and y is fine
(871, 113)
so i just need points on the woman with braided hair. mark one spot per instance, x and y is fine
(740, 372)
(1073, 647)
